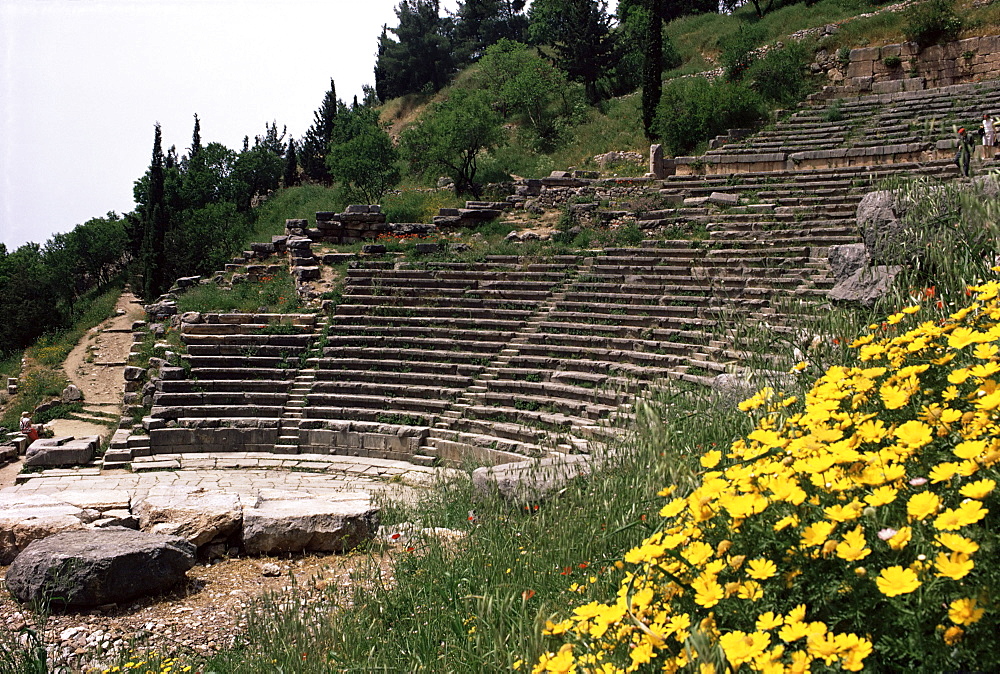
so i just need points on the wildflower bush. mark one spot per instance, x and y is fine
(850, 530)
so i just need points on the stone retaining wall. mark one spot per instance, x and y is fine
(710, 165)
(361, 438)
(970, 60)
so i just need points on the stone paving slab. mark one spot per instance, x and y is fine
(244, 473)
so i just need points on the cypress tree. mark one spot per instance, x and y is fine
(154, 224)
(652, 66)
(315, 143)
(196, 138)
(291, 172)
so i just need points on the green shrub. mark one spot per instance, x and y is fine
(780, 76)
(932, 22)
(694, 110)
(834, 113)
(60, 411)
(738, 50)
(892, 62)
(844, 57)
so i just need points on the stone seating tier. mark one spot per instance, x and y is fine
(390, 390)
(373, 402)
(344, 363)
(225, 385)
(559, 391)
(512, 356)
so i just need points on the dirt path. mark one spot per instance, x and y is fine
(95, 366)
(95, 363)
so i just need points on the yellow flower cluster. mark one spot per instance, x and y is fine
(153, 666)
(871, 496)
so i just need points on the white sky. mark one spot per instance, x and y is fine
(82, 83)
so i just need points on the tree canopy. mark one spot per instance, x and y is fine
(421, 58)
(451, 137)
(579, 32)
(362, 156)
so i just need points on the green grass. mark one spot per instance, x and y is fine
(276, 295)
(36, 386)
(479, 606)
(617, 125)
(50, 351)
(295, 202)
(11, 365)
(418, 205)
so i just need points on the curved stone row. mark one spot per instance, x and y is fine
(515, 357)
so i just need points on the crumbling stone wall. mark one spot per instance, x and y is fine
(970, 60)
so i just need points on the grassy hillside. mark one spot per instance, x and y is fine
(700, 41)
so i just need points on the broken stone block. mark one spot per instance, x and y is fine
(66, 451)
(196, 515)
(295, 524)
(71, 394)
(723, 199)
(27, 518)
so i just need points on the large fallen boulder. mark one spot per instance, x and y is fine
(290, 522)
(846, 259)
(100, 566)
(27, 518)
(196, 515)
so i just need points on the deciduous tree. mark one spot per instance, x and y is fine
(451, 136)
(362, 156)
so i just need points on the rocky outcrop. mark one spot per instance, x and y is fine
(93, 568)
(866, 285)
(881, 228)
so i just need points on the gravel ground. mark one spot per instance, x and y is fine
(198, 619)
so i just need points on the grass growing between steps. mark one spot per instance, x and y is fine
(479, 605)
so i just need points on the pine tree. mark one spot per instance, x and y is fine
(482, 23)
(315, 143)
(291, 172)
(421, 58)
(579, 32)
(652, 66)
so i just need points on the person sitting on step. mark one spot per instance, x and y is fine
(28, 428)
